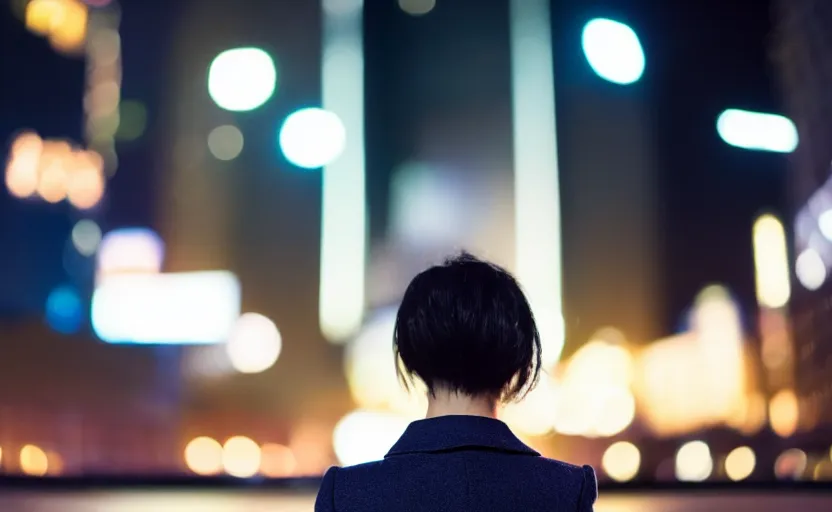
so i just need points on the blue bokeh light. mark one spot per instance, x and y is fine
(64, 310)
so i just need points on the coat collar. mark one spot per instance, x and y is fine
(445, 433)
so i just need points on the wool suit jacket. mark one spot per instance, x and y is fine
(459, 464)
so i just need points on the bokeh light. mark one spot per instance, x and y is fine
(621, 461)
(225, 142)
(791, 464)
(241, 457)
(242, 79)
(68, 31)
(810, 269)
(365, 436)
(370, 368)
(312, 138)
(739, 464)
(130, 251)
(64, 310)
(22, 169)
(254, 344)
(536, 414)
(595, 397)
(85, 186)
(63, 22)
(757, 131)
(132, 120)
(694, 462)
(204, 456)
(771, 262)
(33, 460)
(783, 411)
(167, 308)
(86, 236)
(613, 51)
(278, 461)
(417, 7)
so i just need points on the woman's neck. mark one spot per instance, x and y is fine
(446, 403)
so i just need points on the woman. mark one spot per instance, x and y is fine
(466, 331)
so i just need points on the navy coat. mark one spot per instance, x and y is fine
(459, 464)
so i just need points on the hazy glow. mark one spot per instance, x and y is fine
(740, 463)
(254, 344)
(613, 51)
(536, 414)
(621, 461)
(241, 457)
(594, 398)
(344, 207)
(427, 208)
(203, 456)
(537, 220)
(242, 79)
(312, 138)
(771, 262)
(364, 436)
(709, 355)
(757, 131)
(195, 307)
(810, 269)
(370, 368)
(225, 142)
(694, 462)
(130, 250)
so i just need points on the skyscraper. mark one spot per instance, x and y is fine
(801, 55)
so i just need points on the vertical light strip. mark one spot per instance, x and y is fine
(771, 262)
(344, 215)
(773, 280)
(536, 178)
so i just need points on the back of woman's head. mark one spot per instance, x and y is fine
(466, 326)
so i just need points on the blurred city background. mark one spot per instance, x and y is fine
(211, 209)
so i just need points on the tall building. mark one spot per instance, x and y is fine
(801, 52)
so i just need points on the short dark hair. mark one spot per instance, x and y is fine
(465, 325)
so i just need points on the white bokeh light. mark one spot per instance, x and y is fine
(365, 436)
(757, 131)
(312, 137)
(255, 344)
(694, 462)
(241, 457)
(613, 51)
(242, 79)
(825, 224)
(810, 269)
